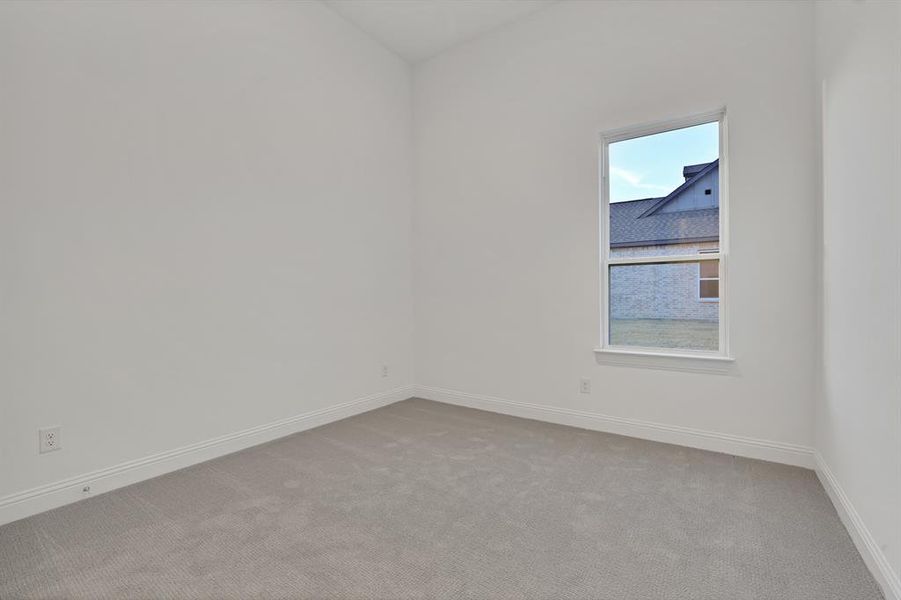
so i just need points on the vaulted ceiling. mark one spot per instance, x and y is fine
(419, 29)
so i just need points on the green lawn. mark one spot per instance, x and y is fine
(665, 333)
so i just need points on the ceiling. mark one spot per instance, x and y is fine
(420, 29)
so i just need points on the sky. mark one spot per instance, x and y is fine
(651, 166)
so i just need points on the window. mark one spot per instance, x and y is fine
(709, 281)
(663, 253)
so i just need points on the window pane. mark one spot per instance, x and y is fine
(664, 193)
(710, 268)
(657, 306)
(710, 288)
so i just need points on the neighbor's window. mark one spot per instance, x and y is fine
(662, 258)
(709, 281)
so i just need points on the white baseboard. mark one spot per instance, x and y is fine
(779, 452)
(23, 504)
(872, 554)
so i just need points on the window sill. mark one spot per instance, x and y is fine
(667, 361)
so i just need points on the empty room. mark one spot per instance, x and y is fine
(442, 299)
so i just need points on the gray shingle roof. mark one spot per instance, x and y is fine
(639, 222)
(628, 229)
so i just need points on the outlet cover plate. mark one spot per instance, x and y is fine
(49, 439)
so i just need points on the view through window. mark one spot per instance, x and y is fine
(662, 261)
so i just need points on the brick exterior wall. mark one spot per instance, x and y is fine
(661, 291)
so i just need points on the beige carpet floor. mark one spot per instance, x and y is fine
(426, 500)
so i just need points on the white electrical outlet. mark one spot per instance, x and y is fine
(49, 439)
(384, 370)
(585, 386)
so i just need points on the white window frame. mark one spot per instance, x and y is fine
(675, 358)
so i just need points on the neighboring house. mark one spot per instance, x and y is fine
(684, 222)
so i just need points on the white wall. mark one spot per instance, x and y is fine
(858, 424)
(204, 224)
(505, 225)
